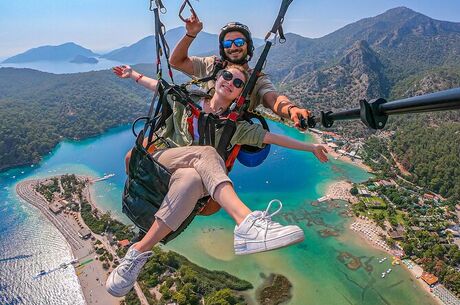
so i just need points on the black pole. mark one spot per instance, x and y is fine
(443, 100)
(375, 113)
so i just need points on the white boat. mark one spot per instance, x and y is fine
(389, 270)
(383, 274)
(42, 272)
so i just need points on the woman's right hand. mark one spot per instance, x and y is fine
(123, 71)
(193, 25)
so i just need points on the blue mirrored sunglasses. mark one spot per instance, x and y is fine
(239, 42)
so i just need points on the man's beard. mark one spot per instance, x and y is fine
(240, 61)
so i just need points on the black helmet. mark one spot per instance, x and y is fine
(243, 29)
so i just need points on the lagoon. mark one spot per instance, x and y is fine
(29, 243)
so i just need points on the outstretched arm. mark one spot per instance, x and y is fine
(128, 72)
(318, 150)
(179, 57)
(282, 106)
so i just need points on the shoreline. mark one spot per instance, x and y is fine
(340, 190)
(337, 156)
(368, 231)
(91, 276)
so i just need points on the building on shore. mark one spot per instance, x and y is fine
(56, 207)
(429, 278)
(123, 243)
(84, 233)
(397, 233)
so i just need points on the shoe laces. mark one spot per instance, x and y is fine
(266, 218)
(134, 263)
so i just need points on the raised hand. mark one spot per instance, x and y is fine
(123, 71)
(193, 25)
(320, 152)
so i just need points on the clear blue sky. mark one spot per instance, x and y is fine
(103, 25)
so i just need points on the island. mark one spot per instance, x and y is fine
(275, 290)
(80, 59)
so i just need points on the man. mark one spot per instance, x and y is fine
(236, 47)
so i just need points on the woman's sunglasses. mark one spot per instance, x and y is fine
(228, 76)
(239, 42)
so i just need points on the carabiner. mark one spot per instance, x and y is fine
(186, 2)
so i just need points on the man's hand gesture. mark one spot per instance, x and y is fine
(193, 25)
(123, 71)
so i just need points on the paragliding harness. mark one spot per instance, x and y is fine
(148, 180)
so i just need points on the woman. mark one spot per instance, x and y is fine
(198, 171)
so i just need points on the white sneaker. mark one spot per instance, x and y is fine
(258, 233)
(123, 277)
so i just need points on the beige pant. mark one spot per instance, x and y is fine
(196, 172)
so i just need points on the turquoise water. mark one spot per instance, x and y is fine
(29, 243)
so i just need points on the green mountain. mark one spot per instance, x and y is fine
(38, 110)
(406, 43)
(63, 52)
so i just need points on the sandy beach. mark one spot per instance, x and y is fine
(368, 231)
(89, 271)
(340, 190)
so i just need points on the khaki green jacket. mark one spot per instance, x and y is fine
(176, 133)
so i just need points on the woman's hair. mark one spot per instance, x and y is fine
(242, 70)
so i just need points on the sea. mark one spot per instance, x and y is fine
(324, 269)
(63, 67)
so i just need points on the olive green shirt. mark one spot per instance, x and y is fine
(176, 133)
(203, 66)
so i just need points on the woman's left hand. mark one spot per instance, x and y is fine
(320, 152)
(124, 71)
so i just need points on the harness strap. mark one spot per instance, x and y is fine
(207, 129)
(277, 26)
(161, 44)
(227, 134)
(219, 65)
(232, 157)
(190, 126)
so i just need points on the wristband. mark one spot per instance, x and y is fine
(191, 36)
(289, 109)
(139, 77)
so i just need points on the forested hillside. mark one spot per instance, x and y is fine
(37, 110)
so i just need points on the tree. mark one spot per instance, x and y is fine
(221, 297)
(354, 191)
